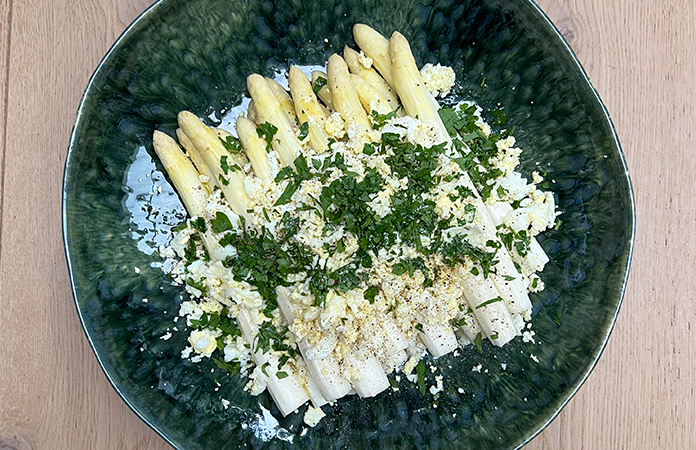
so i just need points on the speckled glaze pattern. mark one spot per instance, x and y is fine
(196, 55)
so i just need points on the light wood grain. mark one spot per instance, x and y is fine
(5, 21)
(641, 57)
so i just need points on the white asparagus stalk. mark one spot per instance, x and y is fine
(415, 97)
(371, 77)
(395, 343)
(324, 94)
(197, 159)
(239, 158)
(389, 341)
(536, 258)
(326, 110)
(367, 375)
(187, 182)
(376, 47)
(251, 112)
(268, 108)
(288, 393)
(438, 338)
(370, 99)
(212, 150)
(183, 174)
(418, 102)
(469, 326)
(285, 102)
(507, 279)
(315, 394)
(325, 372)
(343, 94)
(510, 283)
(255, 148)
(481, 296)
(308, 109)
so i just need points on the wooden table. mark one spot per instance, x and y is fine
(639, 54)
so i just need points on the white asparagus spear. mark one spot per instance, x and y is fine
(343, 94)
(418, 102)
(484, 300)
(327, 111)
(536, 258)
(186, 181)
(370, 99)
(240, 157)
(285, 102)
(468, 325)
(213, 152)
(389, 342)
(269, 111)
(438, 338)
(367, 375)
(415, 97)
(288, 392)
(183, 174)
(364, 372)
(325, 372)
(324, 93)
(251, 112)
(371, 77)
(315, 394)
(255, 148)
(395, 343)
(197, 159)
(308, 109)
(507, 279)
(376, 47)
(510, 283)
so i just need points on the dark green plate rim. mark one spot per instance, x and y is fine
(571, 391)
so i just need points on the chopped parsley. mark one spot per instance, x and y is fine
(477, 342)
(200, 285)
(227, 167)
(182, 226)
(199, 224)
(304, 131)
(420, 373)
(488, 302)
(269, 337)
(220, 223)
(232, 145)
(379, 120)
(232, 367)
(267, 131)
(318, 84)
(370, 293)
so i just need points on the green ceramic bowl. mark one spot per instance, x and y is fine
(196, 55)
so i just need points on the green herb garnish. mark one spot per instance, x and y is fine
(220, 223)
(420, 372)
(488, 302)
(304, 131)
(267, 130)
(318, 84)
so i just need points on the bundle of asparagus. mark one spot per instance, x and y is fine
(344, 295)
